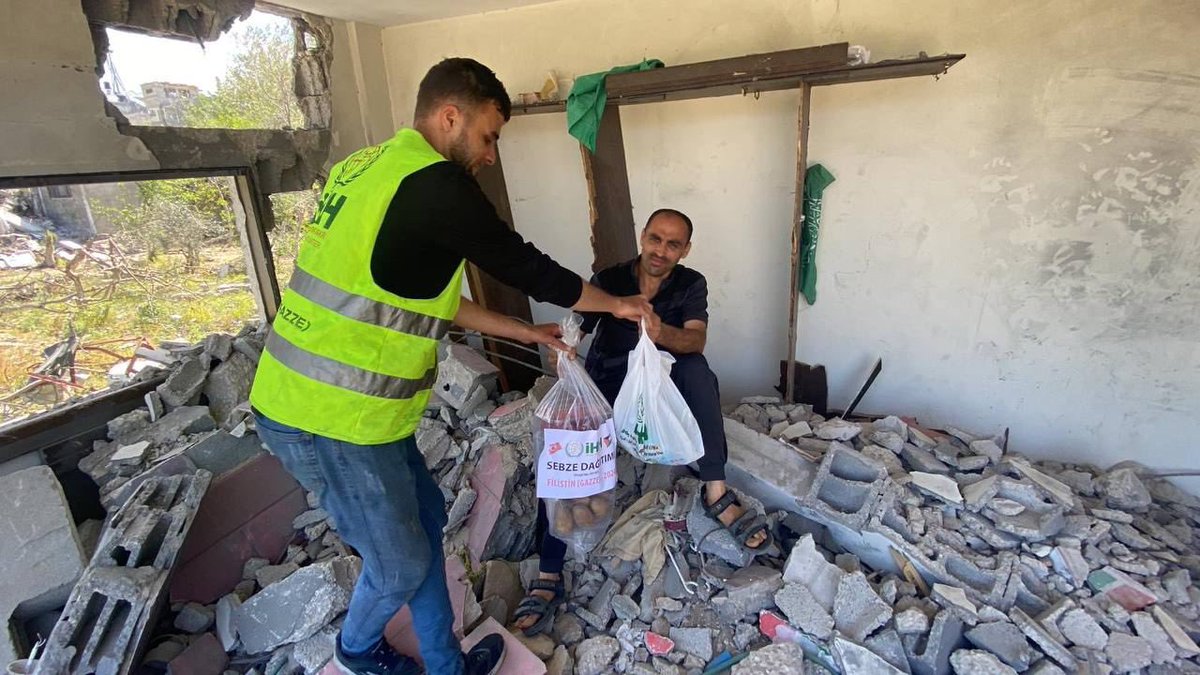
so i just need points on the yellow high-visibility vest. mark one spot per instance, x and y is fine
(345, 358)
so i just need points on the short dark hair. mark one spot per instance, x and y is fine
(464, 80)
(672, 212)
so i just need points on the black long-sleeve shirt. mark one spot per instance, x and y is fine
(439, 216)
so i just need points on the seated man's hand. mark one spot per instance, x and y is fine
(633, 308)
(653, 326)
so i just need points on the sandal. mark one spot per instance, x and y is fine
(749, 524)
(534, 605)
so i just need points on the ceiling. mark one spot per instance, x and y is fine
(396, 12)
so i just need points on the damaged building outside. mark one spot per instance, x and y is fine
(1011, 243)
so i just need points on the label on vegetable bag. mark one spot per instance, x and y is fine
(576, 464)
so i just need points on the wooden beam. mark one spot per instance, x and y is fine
(499, 297)
(797, 230)
(741, 71)
(609, 203)
(737, 85)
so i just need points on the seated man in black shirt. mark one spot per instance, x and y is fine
(679, 296)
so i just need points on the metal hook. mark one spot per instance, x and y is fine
(689, 586)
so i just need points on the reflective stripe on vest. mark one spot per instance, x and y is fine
(338, 374)
(365, 310)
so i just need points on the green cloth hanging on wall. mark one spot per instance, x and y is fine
(816, 179)
(585, 104)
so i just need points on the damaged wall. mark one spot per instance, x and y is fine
(53, 119)
(1016, 240)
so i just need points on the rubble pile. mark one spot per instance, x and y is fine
(897, 548)
(199, 418)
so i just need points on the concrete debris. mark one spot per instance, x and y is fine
(40, 552)
(120, 592)
(777, 659)
(298, 606)
(978, 662)
(945, 545)
(804, 611)
(1129, 653)
(593, 655)
(858, 610)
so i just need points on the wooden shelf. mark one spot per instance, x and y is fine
(748, 75)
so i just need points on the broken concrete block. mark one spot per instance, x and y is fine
(179, 422)
(1054, 488)
(512, 420)
(1121, 588)
(847, 487)
(793, 431)
(593, 655)
(955, 598)
(1147, 628)
(1081, 629)
(461, 372)
(855, 658)
(858, 610)
(1004, 640)
(182, 387)
(939, 486)
(694, 641)
(228, 385)
(748, 591)
(224, 619)
(1122, 489)
(298, 606)
(130, 455)
(1183, 642)
(886, 644)
(920, 459)
(222, 452)
(804, 611)
(1070, 564)
(314, 652)
(119, 594)
(783, 658)
(270, 574)
(194, 618)
(806, 565)
(1128, 653)
(912, 621)
(1044, 640)
(987, 448)
(930, 655)
(837, 429)
(40, 552)
(978, 662)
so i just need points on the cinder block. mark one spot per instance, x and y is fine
(847, 487)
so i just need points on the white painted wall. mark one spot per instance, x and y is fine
(1018, 240)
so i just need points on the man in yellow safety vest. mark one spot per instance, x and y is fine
(352, 354)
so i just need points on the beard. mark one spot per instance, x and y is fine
(459, 153)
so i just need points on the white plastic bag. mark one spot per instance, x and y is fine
(577, 452)
(654, 423)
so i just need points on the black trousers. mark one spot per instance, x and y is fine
(698, 384)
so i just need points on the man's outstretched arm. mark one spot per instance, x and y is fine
(687, 340)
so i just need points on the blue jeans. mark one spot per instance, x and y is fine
(388, 507)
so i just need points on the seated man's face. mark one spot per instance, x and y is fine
(665, 242)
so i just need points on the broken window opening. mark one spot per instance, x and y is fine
(107, 283)
(246, 79)
(291, 212)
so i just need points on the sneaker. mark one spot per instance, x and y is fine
(378, 660)
(486, 657)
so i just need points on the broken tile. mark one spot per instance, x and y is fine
(1121, 588)
(936, 485)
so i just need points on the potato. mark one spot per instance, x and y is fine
(563, 524)
(583, 515)
(601, 505)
